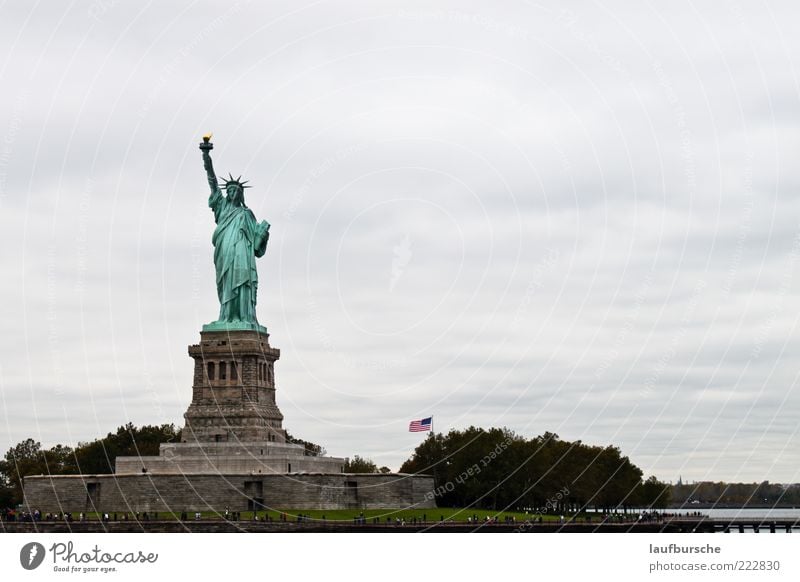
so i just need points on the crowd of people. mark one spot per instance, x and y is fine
(13, 515)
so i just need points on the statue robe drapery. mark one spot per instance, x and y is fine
(238, 240)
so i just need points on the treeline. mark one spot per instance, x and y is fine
(361, 465)
(489, 469)
(96, 457)
(498, 469)
(736, 494)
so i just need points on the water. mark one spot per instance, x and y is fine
(758, 513)
(765, 513)
(753, 513)
(749, 513)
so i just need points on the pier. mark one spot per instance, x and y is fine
(673, 525)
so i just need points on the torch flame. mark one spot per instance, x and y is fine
(207, 137)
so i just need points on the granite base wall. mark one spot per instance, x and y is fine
(177, 493)
(242, 465)
(230, 459)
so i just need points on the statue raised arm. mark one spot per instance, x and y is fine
(206, 148)
(238, 239)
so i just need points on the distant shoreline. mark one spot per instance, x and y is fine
(696, 506)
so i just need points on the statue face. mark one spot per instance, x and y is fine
(235, 194)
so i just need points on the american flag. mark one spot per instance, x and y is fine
(421, 425)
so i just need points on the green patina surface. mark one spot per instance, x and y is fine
(238, 240)
(234, 326)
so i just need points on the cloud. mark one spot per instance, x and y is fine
(580, 221)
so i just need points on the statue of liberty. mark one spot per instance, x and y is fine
(238, 240)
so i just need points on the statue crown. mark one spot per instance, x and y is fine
(234, 182)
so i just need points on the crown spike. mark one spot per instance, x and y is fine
(231, 181)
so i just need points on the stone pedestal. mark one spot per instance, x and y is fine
(233, 393)
(233, 452)
(233, 424)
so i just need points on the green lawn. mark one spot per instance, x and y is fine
(347, 515)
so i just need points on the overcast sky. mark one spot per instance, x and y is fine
(582, 220)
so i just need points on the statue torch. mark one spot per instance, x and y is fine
(207, 146)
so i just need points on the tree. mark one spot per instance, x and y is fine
(6, 497)
(311, 449)
(654, 494)
(737, 494)
(497, 469)
(23, 459)
(28, 458)
(427, 457)
(6, 493)
(359, 465)
(96, 457)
